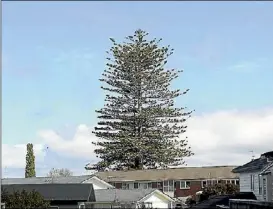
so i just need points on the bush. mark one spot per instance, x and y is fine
(219, 189)
(190, 201)
(24, 199)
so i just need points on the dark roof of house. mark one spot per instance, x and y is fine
(79, 192)
(120, 195)
(256, 164)
(223, 200)
(47, 180)
(212, 202)
(215, 172)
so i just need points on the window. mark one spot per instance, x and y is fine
(136, 185)
(260, 184)
(231, 181)
(159, 185)
(168, 186)
(211, 182)
(147, 185)
(144, 185)
(113, 184)
(185, 184)
(145, 205)
(204, 183)
(228, 181)
(125, 186)
(264, 187)
(148, 205)
(252, 182)
(219, 181)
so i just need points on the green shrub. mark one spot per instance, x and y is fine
(24, 199)
(218, 189)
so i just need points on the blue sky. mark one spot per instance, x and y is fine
(54, 54)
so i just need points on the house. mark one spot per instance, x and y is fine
(137, 198)
(86, 179)
(267, 175)
(255, 176)
(175, 182)
(59, 195)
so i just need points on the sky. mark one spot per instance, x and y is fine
(54, 53)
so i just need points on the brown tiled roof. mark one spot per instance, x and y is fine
(215, 172)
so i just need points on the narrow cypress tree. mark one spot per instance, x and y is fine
(139, 126)
(30, 162)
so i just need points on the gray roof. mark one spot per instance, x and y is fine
(78, 192)
(47, 180)
(110, 195)
(209, 172)
(255, 165)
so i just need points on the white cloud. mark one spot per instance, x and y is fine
(219, 138)
(227, 137)
(14, 155)
(79, 146)
(245, 67)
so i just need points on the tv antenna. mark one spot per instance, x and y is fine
(252, 156)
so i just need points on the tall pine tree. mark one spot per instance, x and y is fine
(30, 162)
(139, 127)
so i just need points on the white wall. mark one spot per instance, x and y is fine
(245, 184)
(97, 184)
(268, 195)
(157, 201)
(270, 186)
(272, 182)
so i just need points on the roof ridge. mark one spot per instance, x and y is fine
(48, 177)
(177, 168)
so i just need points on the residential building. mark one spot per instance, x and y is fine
(136, 198)
(60, 195)
(86, 179)
(267, 176)
(255, 176)
(175, 182)
(80, 192)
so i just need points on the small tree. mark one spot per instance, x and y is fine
(55, 172)
(30, 162)
(219, 189)
(24, 199)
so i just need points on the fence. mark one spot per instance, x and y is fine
(249, 204)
